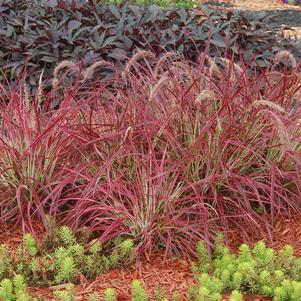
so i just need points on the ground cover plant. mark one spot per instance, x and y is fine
(164, 153)
(256, 270)
(43, 33)
(62, 258)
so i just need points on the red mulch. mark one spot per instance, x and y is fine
(171, 275)
(12, 236)
(285, 231)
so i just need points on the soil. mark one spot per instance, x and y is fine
(287, 15)
(173, 275)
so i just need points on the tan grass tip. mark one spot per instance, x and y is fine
(213, 68)
(142, 54)
(285, 56)
(157, 86)
(89, 72)
(269, 104)
(70, 66)
(170, 55)
(205, 95)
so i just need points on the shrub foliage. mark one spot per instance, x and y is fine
(40, 34)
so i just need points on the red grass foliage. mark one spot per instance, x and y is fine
(166, 153)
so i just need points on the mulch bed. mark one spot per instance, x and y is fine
(288, 15)
(173, 275)
(169, 276)
(251, 5)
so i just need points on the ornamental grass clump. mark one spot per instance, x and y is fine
(166, 153)
(177, 150)
(35, 152)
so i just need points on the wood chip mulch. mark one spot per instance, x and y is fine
(286, 12)
(172, 275)
(155, 274)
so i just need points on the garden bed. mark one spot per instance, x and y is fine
(164, 140)
(158, 274)
(288, 15)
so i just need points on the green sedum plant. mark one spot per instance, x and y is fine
(30, 245)
(66, 236)
(6, 290)
(110, 295)
(93, 297)
(236, 296)
(61, 261)
(15, 289)
(257, 270)
(65, 295)
(253, 270)
(138, 292)
(5, 261)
